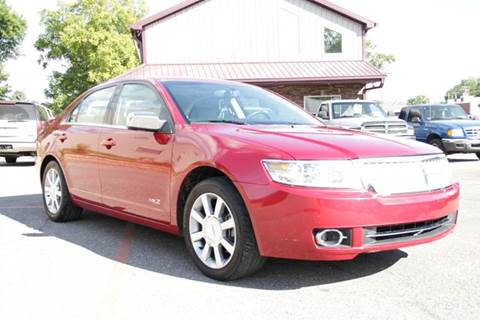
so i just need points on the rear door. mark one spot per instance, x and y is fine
(135, 165)
(77, 143)
(18, 123)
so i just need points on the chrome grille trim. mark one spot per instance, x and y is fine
(473, 132)
(386, 127)
(407, 231)
(401, 175)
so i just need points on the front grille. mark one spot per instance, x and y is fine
(473, 133)
(407, 231)
(386, 127)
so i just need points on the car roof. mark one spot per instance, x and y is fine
(432, 105)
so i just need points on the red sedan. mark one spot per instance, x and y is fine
(242, 174)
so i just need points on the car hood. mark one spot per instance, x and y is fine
(318, 142)
(457, 123)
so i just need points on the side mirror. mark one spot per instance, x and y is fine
(323, 115)
(147, 121)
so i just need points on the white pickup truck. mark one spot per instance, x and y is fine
(20, 123)
(362, 115)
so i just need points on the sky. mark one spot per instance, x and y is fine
(436, 44)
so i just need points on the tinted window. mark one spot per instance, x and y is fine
(93, 108)
(138, 98)
(231, 102)
(17, 112)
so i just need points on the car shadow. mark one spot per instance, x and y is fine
(160, 252)
(18, 164)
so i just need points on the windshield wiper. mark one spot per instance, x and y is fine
(226, 121)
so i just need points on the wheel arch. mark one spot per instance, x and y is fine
(432, 136)
(191, 179)
(46, 160)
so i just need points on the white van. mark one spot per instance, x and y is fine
(20, 123)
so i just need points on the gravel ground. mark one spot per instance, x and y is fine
(102, 268)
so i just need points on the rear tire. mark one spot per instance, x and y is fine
(56, 197)
(224, 245)
(478, 155)
(11, 160)
(437, 143)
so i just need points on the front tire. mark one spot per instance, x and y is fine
(56, 198)
(478, 155)
(437, 143)
(218, 231)
(11, 160)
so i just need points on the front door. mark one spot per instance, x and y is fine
(135, 165)
(77, 142)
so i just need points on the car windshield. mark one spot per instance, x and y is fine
(357, 110)
(234, 103)
(447, 112)
(17, 112)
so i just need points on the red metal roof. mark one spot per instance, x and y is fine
(367, 24)
(263, 72)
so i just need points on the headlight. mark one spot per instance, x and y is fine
(455, 133)
(338, 174)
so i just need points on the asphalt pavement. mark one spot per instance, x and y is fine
(103, 268)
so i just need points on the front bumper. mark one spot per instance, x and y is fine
(461, 145)
(285, 218)
(16, 149)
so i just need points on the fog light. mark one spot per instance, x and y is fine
(330, 238)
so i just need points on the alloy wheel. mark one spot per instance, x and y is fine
(212, 230)
(52, 190)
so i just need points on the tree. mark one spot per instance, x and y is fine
(378, 60)
(18, 96)
(418, 100)
(12, 32)
(93, 39)
(472, 85)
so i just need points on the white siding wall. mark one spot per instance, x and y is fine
(250, 30)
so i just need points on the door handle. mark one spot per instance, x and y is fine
(61, 135)
(109, 143)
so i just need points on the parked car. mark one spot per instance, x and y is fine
(20, 123)
(444, 126)
(363, 115)
(242, 174)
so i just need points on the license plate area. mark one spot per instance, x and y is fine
(6, 147)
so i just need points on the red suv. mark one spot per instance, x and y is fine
(242, 174)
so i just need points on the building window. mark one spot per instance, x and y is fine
(333, 41)
(312, 103)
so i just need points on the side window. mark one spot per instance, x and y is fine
(402, 114)
(323, 111)
(138, 98)
(414, 115)
(93, 108)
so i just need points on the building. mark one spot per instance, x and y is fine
(306, 50)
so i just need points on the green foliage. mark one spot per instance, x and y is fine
(18, 96)
(418, 100)
(4, 87)
(378, 60)
(472, 85)
(92, 38)
(12, 31)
